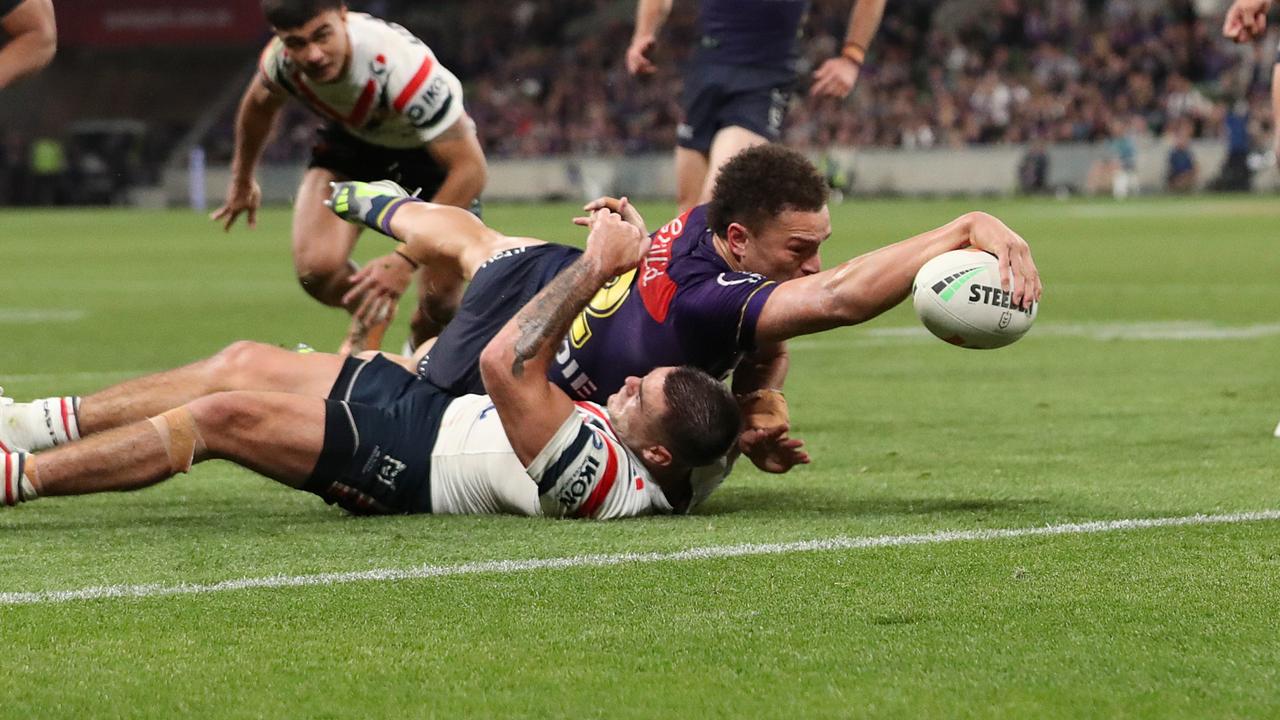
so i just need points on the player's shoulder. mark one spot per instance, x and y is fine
(273, 61)
(392, 40)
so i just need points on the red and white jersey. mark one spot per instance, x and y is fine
(583, 472)
(394, 92)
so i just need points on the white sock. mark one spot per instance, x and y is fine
(14, 485)
(41, 424)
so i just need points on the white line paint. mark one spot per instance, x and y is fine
(423, 572)
(38, 316)
(93, 375)
(1177, 331)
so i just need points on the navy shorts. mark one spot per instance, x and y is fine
(380, 425)
(499, 289)
(355, 159)
(720, 96)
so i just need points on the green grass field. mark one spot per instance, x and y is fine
(1148, 389)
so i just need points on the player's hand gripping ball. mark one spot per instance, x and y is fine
(957, 296)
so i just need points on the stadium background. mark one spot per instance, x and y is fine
(966, 88)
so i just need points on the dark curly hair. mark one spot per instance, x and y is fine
(290, 14)
(702, 420)
(761, 182)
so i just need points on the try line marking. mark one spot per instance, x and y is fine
(704, 553)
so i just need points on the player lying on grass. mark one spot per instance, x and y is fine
(387, 442)
(391, 109)
(723, 286)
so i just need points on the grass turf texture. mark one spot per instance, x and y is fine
(908, 435)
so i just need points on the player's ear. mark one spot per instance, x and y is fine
(737, 237)
(656, 456)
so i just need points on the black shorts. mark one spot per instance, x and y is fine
(499, 289)
(380, 425)
(355, 159)
(720, 96)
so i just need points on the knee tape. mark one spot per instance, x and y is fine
(180, 437)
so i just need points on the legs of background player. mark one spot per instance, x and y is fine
(322, 243)
(275, 434)
(241, 366)
(696, 172)
(691, 175)
(728, 142)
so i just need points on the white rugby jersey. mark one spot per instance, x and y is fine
(394, 92)
(583, 472)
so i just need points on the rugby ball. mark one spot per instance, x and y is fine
(957, 296)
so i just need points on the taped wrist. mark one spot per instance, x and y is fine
(764, 409)
(180, 437)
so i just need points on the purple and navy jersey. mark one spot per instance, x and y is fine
(750, 32)
(683, 305)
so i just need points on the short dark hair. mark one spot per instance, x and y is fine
(760, 183)
(702, 420)
(290, 14)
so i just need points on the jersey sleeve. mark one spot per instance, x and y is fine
(585, 473)
(271, 63)
(424, 92)
(722, 312)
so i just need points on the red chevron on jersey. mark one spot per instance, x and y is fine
(596, 499)
(656, 287)
(407, 93)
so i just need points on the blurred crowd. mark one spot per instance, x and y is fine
(548, 78)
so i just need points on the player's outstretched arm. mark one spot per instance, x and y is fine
(33, 39)
(859, 289)
(650, 16)
(258, 109)
(837, 76)
(514, 364)
(1246, 20)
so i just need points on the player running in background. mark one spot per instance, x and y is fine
(385, 442)
(33, 38)
(391, 110)
(723, 286)
(741, 76)
(1246, 21)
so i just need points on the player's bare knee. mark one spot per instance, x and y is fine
(226, 420)
(324, 278)
(237, 365)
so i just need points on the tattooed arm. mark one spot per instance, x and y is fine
(514, 364)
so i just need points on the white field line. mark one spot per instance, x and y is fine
(88, 376)
(1176, 331)
(423, 572)
(39, 316)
